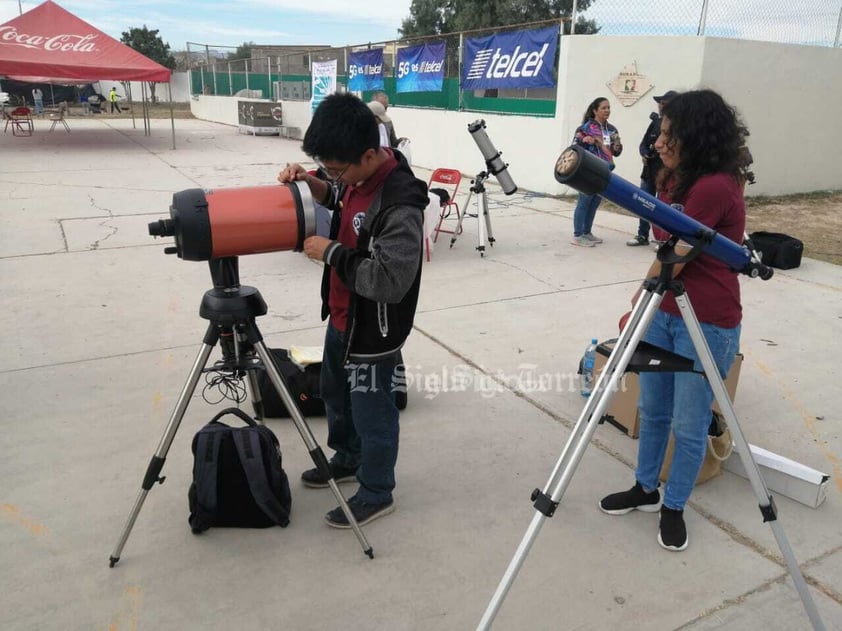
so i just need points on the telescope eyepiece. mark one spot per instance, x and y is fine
(162, 228)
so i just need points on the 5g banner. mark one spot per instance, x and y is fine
(365, 70)
(421, 68)
(523, 59)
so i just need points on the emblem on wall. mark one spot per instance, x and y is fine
(629, 86)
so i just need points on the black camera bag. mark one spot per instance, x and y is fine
(238, 477)
(304, 386)
(778, 250)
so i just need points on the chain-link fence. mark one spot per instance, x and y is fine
(283, 72)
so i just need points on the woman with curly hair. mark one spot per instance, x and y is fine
(702, 147)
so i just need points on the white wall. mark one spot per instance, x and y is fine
(789, 96)
(178, 84)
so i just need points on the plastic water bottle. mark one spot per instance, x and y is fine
(586, 378)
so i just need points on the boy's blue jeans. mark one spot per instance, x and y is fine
(681, 402)
(362, 417)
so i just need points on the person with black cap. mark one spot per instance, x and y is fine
(651, 163)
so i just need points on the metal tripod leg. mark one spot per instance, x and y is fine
(547, 501)
(157, 462)
(484, 231)
(316, 452)
(767, 503)
(458, 229)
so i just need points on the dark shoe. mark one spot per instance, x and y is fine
(314, 479)
(638, 240)
(633, 499)
(363, 512)
(672, 534)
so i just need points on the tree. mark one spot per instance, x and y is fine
(438, 17)
(243, 51)
(148, 43)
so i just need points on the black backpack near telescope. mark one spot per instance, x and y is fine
(238, 480)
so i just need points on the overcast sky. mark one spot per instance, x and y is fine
(342, 22)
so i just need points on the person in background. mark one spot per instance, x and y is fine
(602, 139)
(651, 164)
(383, 99)
(38, 99)
(380, 113)
(370, 285)
(112, 97)
(705, 169)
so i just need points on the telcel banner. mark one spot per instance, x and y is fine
(421, 68)
(523, 59)
(365, 70)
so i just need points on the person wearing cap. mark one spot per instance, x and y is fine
(651, 163)
(380, 114)
(378, 105)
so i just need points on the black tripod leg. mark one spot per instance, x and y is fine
(765, 500)
(157, 463)
(546, 501)
(316, 452)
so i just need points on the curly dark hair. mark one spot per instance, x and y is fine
(711, 139)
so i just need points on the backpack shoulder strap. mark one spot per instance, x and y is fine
(205, 465)
(247, 441)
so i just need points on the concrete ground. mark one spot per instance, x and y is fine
(100, 329)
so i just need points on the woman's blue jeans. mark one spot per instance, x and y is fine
(362, 417)
(584, 214)
(681, 402)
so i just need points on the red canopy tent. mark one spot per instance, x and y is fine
(51, 45)
(49, 41)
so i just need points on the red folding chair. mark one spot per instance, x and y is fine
(448, 180)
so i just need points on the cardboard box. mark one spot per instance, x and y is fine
(623, 412)
(782, 475)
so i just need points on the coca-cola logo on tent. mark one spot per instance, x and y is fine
(63, 42)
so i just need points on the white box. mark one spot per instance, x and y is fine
(782, 475)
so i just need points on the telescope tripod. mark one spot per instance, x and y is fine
(546, 501)
(483, 218)
(231, 310)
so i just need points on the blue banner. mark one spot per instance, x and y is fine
(523, 59)
(421, 68)
(365, 70)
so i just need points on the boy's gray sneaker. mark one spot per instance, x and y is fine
(582, 242)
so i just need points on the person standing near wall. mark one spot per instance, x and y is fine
(38, 99)
(651, 163)
(602, 139)
(112, 96)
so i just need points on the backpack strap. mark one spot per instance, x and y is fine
(206, 463)
(236, 412)
(251, 458)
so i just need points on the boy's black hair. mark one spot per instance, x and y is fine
(342, 129)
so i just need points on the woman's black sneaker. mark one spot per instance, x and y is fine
(315, 480)
(672, 533)
(633, 499)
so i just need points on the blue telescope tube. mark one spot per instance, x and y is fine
(586, 173)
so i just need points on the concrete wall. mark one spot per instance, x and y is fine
(789, 96)
(179, 86)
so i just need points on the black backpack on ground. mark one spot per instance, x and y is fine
(304, 386)
(238, 480)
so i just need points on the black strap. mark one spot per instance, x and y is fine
(251, 457)
(205, 466)
(236, 412)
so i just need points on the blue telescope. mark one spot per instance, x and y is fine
(586, 173)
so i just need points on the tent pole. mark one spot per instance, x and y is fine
(131, 104)
(172, 114)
